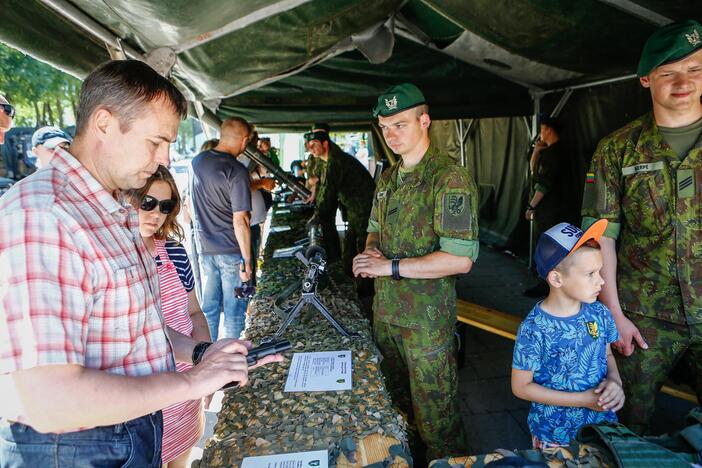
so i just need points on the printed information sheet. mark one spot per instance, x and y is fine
(318, 458)
(319, 372)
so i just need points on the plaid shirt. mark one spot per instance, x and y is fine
(77, 284)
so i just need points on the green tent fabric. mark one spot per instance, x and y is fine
(349, 85)
(287, 61)
(283, 64)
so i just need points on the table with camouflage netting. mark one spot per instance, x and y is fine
(359, 427)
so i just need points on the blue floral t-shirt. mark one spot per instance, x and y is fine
(567, 354)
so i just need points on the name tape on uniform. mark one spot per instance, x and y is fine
(645, 167)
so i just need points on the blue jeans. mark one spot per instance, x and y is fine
(220, 276)
(135, 443)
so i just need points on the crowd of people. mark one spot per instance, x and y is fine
(106, 356)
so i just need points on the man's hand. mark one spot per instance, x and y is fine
(611, 395)
(529, 214)
(245, 272)
(628, 334)
(371, 264)
(223, 362)
(267, 184)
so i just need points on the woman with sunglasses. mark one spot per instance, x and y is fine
(158, 204)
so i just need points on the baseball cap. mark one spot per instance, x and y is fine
(560, 241)
(50, 137)
(671, 43)
(398, 98)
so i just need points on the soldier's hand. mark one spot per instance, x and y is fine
(529, 214)
(628, 335)
(611, 395)
(371, 266)
(373, 252)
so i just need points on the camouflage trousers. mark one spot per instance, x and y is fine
(645, 371)
(423, 373)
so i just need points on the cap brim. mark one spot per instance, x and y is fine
(53, 142)
(594, 232)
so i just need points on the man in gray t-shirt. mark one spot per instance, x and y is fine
(222, 203)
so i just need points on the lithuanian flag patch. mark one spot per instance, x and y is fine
(590, 178)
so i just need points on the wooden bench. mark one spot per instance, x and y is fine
(506, 325)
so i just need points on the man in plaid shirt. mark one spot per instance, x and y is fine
(86, 361)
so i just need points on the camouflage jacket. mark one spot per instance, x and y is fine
(314, 167)
(346, 181)
(637, 181)
(437, 199)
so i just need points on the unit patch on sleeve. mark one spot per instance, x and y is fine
(456, 212)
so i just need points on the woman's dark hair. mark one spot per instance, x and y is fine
(170, 229)
(125, 87)
(209, 144)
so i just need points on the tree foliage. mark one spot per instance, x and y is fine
(42, 94)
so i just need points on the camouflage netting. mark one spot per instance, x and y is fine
(260, 419)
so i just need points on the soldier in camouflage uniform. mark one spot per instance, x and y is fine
(646, 179)
(423, 230)
(315, 166)
(343, 181)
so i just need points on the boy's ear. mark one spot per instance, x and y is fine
(554, 279)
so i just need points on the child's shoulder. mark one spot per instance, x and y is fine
(533, 320)
(598, 309)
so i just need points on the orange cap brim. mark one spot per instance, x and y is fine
(594, 232)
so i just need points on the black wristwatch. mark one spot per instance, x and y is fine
(530, 208)
(395, 266)
(199, 351)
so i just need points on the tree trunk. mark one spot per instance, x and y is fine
(59, 111)
(74, 94)
(37, 114)
(50, 113)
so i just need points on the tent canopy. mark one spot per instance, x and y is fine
(290, 62)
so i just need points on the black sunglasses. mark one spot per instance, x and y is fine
(148, 203)
(8, 109)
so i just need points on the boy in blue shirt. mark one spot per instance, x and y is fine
(562, 359)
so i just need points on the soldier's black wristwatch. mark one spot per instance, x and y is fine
(199, 351)
(395, 268)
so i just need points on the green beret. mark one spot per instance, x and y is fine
(321, 126)
(398, 98)
(320, 135)
(670, 43)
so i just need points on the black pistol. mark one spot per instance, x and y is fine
(259, 352)
(265, 350)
